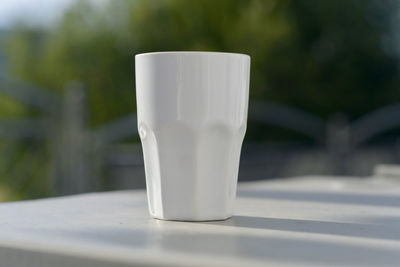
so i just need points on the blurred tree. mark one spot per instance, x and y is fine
(98, 46)
(337, 59)
(323, 56)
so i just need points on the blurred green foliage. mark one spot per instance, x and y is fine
(320, 56)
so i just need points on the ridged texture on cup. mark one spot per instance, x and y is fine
(192, 114)
(192, 159)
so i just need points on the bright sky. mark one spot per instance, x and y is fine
(36, 12)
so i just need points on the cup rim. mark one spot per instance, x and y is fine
(191, 53)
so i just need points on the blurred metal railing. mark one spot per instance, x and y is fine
(288, 117)
(80, 156)
(374, 123)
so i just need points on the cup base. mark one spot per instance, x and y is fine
(222, 218)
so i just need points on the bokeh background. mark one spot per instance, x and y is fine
(325, 86)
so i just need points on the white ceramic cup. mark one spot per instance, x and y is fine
(192, 116)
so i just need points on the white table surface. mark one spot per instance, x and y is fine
(301, 221)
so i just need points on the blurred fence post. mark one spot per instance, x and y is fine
(71, 167)
(338, 143)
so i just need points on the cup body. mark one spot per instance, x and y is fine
(192, 116)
